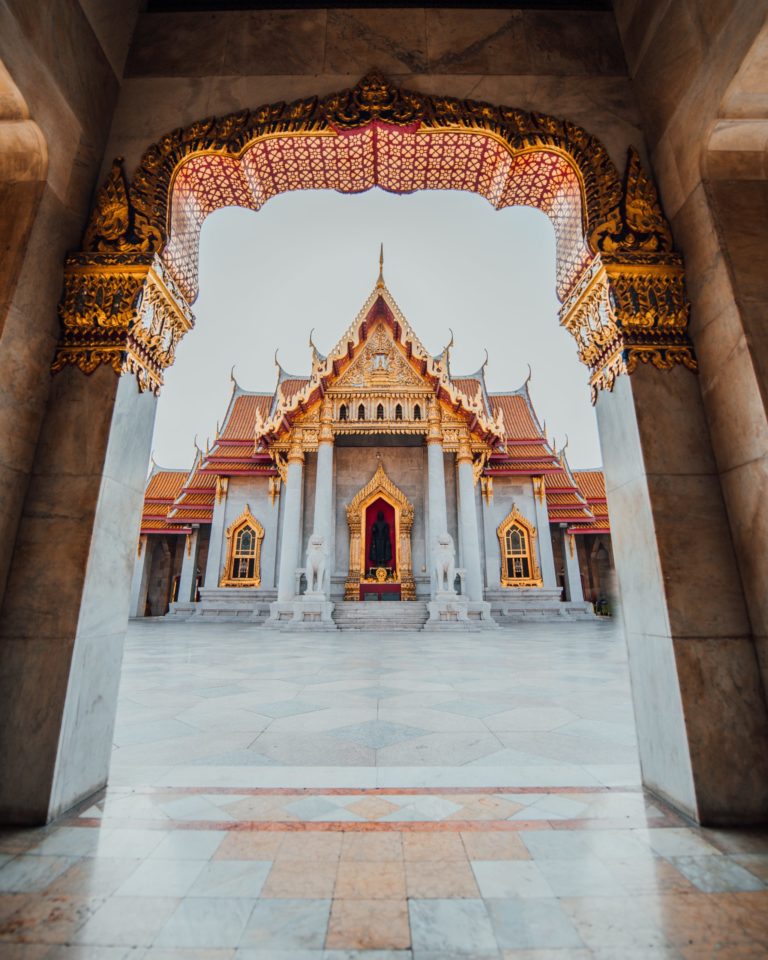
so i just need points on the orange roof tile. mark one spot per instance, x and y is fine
(468, 385)
(165, 485)
(591, 483)
(158, 526)
(289, 388)
(196, 499)
(188, 514)
(162, 488)
(241, 421)
(519, 421)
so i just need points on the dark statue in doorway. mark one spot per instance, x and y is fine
(381, 546)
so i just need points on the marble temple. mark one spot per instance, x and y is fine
(363, 480)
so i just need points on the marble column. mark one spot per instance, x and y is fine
(215, 562)
(323, 521)
(470, 540)
(573, 588)
(189, 567)
(140, 580)
(700, 707)
(438, 510)
(289, 548)
(61, 633)
(544, 538)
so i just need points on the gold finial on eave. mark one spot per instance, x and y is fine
(380, 281)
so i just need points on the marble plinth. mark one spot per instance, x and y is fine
(308, 612)
(536, 603)
(227, 603)
(454, 612)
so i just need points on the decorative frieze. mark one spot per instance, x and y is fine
(629, 312)
(622, 284)
(121, 310)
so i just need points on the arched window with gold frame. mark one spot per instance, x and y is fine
(243, 563)
(517, 543)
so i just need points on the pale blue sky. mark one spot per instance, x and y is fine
(310, 259)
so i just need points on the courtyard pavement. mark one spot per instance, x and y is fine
(400, 797)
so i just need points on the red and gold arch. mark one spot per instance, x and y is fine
(127, 294)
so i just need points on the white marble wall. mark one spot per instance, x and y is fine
(254, 493)
(507, 492)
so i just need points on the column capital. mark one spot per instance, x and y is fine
(123, 310)
(296, 453)
(435, 430)
(325, 434)
(464, 453)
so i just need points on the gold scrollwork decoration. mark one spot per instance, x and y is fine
(629, 312)
(144, 224)
(639, 314)
(125, 312)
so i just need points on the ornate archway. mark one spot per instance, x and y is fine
(380, 487)
(126, 304)
(127, 294)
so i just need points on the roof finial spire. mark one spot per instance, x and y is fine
(380, 281)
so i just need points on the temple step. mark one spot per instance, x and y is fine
(377, 615)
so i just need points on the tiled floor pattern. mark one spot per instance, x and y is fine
(209, 847)
(151, 880)
(229, 705)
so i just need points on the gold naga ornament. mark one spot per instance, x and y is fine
(627, 306)
(630, 305)
(120, 305)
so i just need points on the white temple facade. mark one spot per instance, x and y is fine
(380, 477)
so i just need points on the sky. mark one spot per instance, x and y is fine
(310, 260)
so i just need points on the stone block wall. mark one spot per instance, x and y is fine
(701, 84)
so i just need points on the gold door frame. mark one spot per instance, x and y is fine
(380, 486)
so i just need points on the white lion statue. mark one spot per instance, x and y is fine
(315, 564)
(445, 564)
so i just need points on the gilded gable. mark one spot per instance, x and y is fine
(380, 365)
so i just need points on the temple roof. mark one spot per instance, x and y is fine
(232, 450)
(565, 501)
(504, 425)
(163, 486)
(296, 395)
(591, 485)
(194, 502)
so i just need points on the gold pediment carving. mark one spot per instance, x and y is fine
(380, 365)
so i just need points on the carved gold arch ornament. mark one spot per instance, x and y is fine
(620, 283)
(237, 555)
(529, 575)
(380, 486)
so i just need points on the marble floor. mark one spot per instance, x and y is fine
(229, 705)
(402, 797)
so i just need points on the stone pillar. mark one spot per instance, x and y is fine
(323, 521)
(438, 511)
(140, 579)
(215, 562)
(289, 552)
(66, 607)
(468, 524)
(189, 568)
(699, 704)
(544, 538)
(573, 588)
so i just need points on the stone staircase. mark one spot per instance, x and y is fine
(381, 616)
